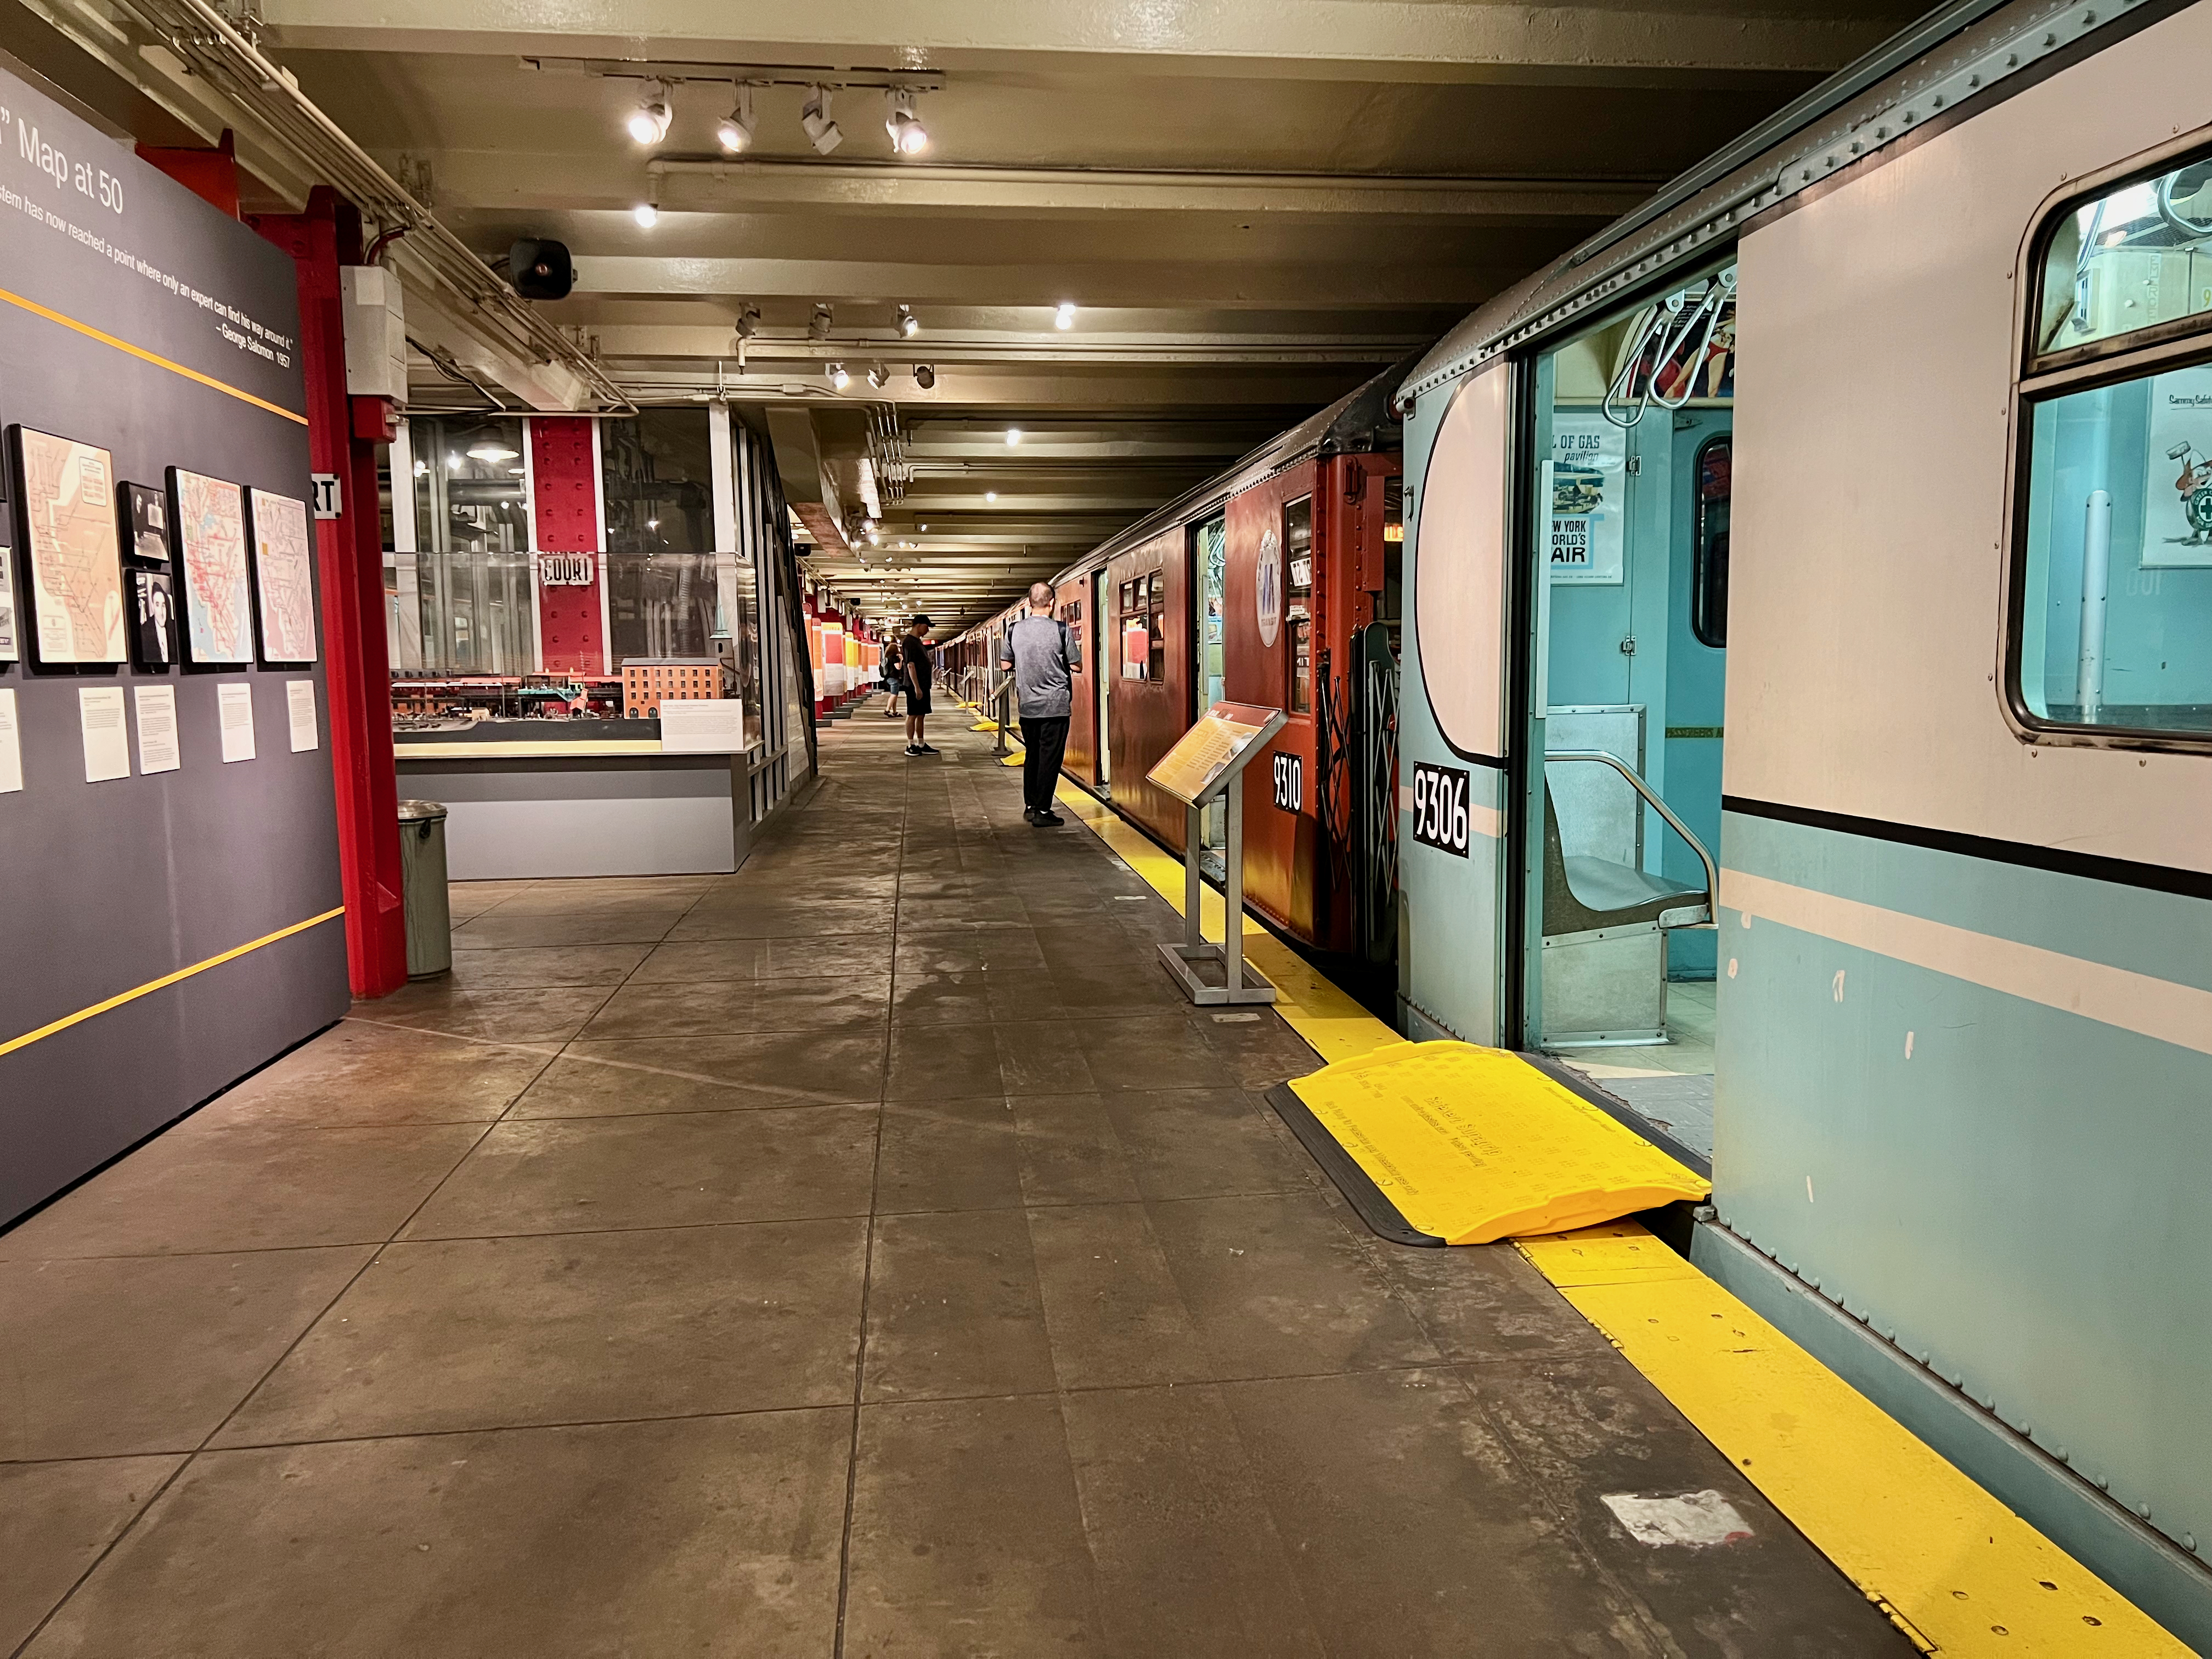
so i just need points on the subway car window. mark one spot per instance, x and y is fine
(2131, 259)
(2116, 605)
(1298, 568)
(1156, 620)
(1709, 544)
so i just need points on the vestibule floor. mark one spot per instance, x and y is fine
(868, 1253)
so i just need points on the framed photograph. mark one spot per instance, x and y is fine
(283, 577)
(152, 619)
(209, 516)
(9, 650)
(145, 524)
(65, 496)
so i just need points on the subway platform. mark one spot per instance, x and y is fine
(866, 1254)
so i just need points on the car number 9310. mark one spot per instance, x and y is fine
(1440, 807)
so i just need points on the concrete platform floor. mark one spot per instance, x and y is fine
(868, 1253)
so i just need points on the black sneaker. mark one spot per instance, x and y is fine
(914, 749)
(921, 748)
(1045, 820)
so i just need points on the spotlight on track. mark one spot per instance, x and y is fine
(648, 122)
(838, 378)
(748, 322)
(876, 376)
(908, 136)
(818, 325)
(822, 132)
(734, 132)
(908, 324)
(924, 376)
(1064, 317)
(647, 215)
(1013, 437)
(991, 495)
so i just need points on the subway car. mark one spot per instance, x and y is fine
(1273, 583)
(1807, 734)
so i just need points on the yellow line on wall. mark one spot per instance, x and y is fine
(153, 985)
(144, 356)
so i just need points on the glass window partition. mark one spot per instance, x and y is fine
(657, 477)
(472, 528)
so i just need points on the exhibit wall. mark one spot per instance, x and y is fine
(170, 913)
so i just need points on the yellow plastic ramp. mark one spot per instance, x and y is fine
(1449, 1144)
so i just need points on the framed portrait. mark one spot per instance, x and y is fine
(145, 514)
(65, 498)
(214, 588)
(283, 577)
(152, 619)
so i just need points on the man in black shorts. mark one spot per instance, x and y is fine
(914, 672)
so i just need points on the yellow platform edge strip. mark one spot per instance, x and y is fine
(1956, 1571)
(167, 980)
(146, 356)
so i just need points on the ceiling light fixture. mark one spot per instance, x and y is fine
(908, 136)
(735, 130)
(838, 378)
(822, 132)
(878, 374)
(818, 326)
(924, 376)
(1064, 317)
(908, 324)
(648, 122)
(748, 322)
(1013, 436)
(490, 449)
(647, 215)
(990, 494)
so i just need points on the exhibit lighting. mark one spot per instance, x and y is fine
(908, 136)
(648, 122)
(908, 324)
(453, 462)
(876, 376)
(990, 494)
(838, 377)
(1064, 317)
(822, 132)
(490, 449)
(1013, 436)
(646, 215)
(748, 322)
(818, 325)
(924, 376)
(735, 130)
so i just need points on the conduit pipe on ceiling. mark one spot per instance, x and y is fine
(211, 46)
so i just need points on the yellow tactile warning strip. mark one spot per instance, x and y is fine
(1959, 1572)
(1334, 1025)
(152, 985)
(144, 356)
(1475, 1145)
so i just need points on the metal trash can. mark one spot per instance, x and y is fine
(422, 875)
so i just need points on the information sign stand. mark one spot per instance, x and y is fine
(1207, 764)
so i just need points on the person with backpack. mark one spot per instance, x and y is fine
(1042, 656)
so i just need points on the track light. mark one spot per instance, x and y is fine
(838, 378)
(748, 322)
(646, 215)
(648, 122)
(924, 376)
(1064, 317)
(818, 325)
(822, 132)
(876, 376)
(1013, 436)
(908, 136)
(991, 495)
(908, 324)
(735, 130)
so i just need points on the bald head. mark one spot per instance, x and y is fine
(1040, 596)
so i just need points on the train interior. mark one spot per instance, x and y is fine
(1634, 444)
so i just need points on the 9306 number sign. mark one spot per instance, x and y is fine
(1440, 807)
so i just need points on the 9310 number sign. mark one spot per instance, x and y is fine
(1440, 807)
(1289, 782)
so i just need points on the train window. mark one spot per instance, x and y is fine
(1156, 620)
(1136, 644)
(1297, 611)
(1709, 544)
(2134, 259)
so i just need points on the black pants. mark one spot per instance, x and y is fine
(1043, 743)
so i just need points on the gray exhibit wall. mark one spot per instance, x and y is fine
(109, 888)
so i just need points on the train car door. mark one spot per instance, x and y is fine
(1619, 825)
(1073, 606)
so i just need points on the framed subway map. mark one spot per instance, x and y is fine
(66, 490)
(209, 516)
(283, 577)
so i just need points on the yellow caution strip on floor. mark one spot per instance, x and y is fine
(1334, 1025)
(1471, 1146)
(1958, 1572)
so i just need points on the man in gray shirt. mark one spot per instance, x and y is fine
(1042, 655)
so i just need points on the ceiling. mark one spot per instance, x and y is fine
(1253, 206)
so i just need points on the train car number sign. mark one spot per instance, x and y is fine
(1290, 782)
(1440, 816)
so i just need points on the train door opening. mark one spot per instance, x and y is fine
(1209, 555)
(1104, 660)
(1621, 838)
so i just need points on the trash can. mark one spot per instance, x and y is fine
(423, 874)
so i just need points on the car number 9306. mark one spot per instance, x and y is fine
(1440, 807)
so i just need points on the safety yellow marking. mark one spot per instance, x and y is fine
(231, 955)
(1475, 1145)
(1957, 1571)
(1334, 1025)
(144, 356)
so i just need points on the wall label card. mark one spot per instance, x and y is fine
(234, 705)
(11, 747)
(107, 738)
(76, 570)
(299, 706)
(157, 728)
(703, 725)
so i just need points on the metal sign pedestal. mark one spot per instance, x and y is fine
(1240, 983)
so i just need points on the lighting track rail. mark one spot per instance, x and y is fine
(836, 79)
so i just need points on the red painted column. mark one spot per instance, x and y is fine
(564, 484)
(350, 551)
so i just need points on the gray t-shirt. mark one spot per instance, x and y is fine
(1040, 651)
